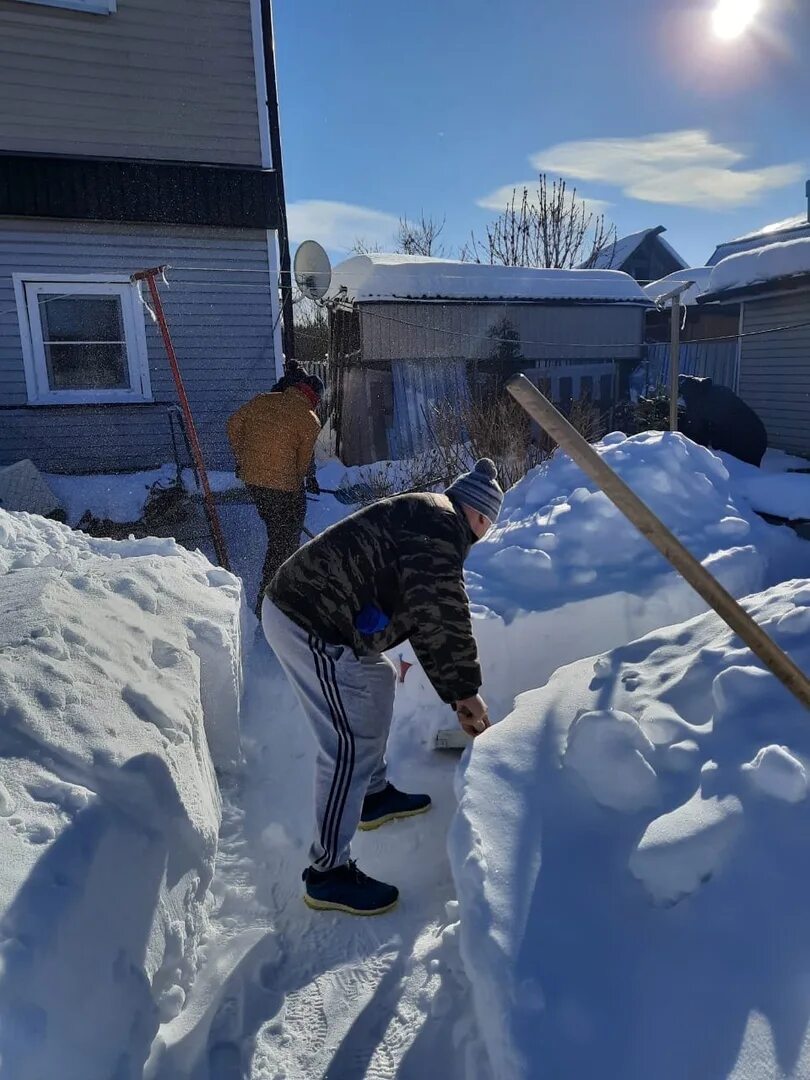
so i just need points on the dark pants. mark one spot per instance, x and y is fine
(283, 514)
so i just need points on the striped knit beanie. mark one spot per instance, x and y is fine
(479, 489)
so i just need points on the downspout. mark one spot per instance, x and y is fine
(285, 274)
(740, 331)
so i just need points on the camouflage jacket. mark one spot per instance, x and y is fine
(405, 556)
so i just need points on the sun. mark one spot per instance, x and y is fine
(731, 18)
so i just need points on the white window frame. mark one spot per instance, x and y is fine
(93, 7)
(27, 288)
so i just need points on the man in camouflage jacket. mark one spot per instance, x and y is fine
(390, 572)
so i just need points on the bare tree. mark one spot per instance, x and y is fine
(365, 247)
(311, 329)
(420, 237)
(548, 227)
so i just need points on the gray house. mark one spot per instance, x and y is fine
(771, 284)
(407, 331)
(134, 133)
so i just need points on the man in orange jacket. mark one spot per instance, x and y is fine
(273, 439)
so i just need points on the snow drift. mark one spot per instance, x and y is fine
(119, 665)
(630, 855)
(564, 575)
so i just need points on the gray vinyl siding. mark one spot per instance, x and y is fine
(221, 323)
(404, 331)
(161, 79)
(775, 368)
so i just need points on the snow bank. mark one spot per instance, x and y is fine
(771, 490)
(416, 277)
(121, 496)
(119, 665)
(761, 265)
(564, 575)
(630, 855)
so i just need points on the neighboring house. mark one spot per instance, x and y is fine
(645, 256)
(708, 332)
(134, 133)
(772, 286)
(793, 228)
(409, 331)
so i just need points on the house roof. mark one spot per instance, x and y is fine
(761, 269)
(700, 275)
(625, 247)
(379, 277)
(792, 228)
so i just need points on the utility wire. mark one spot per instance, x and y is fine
(369, 312)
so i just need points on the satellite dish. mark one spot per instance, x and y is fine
(313, 271)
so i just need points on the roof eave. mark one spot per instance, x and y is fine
(538, 301)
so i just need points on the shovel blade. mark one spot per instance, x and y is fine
(452, 739)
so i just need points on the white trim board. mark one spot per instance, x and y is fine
(26, 289)
(261, 82)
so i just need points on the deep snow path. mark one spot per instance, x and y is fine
(301, 995)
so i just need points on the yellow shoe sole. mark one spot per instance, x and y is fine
(330, 905)
(368, 826)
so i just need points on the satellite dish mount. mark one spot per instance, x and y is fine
(313, 271)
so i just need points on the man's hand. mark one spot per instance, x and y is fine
(473, 715)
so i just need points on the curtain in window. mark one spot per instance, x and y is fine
(418, 386)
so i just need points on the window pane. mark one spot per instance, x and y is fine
(586, 387)
(87, 367)
(80, 317)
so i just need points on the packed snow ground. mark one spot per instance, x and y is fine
(295, 994)
(630, 853)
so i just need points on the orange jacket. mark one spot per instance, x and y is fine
(273, 439)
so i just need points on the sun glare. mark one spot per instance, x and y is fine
(731, 18)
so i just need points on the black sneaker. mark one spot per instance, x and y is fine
(347, 889)
(389, 805)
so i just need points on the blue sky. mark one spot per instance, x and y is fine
(390, 107)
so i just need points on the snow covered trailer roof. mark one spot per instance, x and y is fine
(379, 276)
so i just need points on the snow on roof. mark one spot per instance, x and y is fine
(700, 275)
(793, 228)
(380, 276)
(761, 266)
(616, 255)
(775, 227)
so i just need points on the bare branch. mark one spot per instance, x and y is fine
(420, 237)
(548, 227)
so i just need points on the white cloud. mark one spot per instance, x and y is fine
(679, 168)
(498, 199)
(338, 225)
